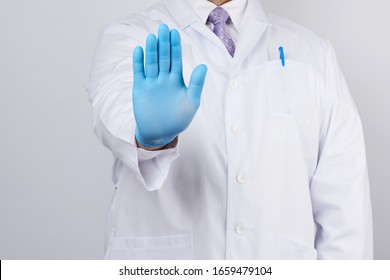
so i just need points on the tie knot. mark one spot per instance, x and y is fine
(218, 16)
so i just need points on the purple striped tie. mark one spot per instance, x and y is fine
(219, 17)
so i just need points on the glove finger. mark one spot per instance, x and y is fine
(176, 53)
(138, 64)
(164, 51)
(151, 57)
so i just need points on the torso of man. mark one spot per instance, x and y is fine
(253, 176)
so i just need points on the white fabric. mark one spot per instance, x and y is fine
(273, 165)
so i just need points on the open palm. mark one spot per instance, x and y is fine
(163, 105)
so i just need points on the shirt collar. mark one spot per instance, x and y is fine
(235, 8)
(186, 14)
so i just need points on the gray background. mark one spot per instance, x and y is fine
(55, 185)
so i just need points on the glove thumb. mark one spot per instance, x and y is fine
(197, 80)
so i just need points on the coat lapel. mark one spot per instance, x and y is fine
(252, 27)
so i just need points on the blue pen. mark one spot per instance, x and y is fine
(282, 56)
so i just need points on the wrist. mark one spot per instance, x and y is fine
(170, 145)
(155, 145)
(147, 148)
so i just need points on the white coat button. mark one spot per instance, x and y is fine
(233, 84)
(241, 179)
(240, 229)
(236, 129)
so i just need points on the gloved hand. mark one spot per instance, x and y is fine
(163, 105)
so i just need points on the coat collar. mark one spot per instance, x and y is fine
(182, 12)
(253, 25)
(186, 16)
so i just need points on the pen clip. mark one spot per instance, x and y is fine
(281, 50)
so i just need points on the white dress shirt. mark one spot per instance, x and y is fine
(273, 165)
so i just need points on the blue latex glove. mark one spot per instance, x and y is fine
(163, 105)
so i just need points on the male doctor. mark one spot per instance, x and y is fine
(234, 137)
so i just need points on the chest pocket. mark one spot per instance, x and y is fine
(290, 90)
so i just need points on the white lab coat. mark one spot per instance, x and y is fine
(273, 165)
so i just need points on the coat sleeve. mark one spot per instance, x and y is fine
(340, 187)
(110, 92)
